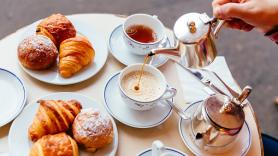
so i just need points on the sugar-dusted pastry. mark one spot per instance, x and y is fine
(53, 116)
(55, 145)
(37, 52)
(92, 129)
(56, 27)
(75, 53)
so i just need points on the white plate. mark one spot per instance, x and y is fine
(18, 135)
(52, 75)
(12, 96)
(148, 152)
(119, 50)
(241, 144)
(138, 119)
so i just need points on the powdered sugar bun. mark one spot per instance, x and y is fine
(93, 129)
(37, 52)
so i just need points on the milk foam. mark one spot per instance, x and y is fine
(150, 87)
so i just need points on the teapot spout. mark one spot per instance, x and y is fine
(171, 53)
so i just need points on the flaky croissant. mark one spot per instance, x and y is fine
(75, 53)
(55, 145)
(53, 116)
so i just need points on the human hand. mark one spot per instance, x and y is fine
(247, 14)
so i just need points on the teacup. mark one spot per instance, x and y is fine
(152, 22)
(154, 87)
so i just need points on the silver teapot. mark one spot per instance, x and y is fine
(219, 119)
(194, 40)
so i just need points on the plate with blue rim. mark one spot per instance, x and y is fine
(115, 105)
(239, 147)
(119, 50)
(12, 96)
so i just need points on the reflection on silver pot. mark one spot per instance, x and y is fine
(219, 119)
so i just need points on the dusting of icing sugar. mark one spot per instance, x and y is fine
(93, 123)
(38, 42)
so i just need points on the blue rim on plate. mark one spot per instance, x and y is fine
(128, 124)
(19, 107)
(125, 63)
(193, 151)
(167, 148)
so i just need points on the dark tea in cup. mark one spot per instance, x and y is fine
(141, 33)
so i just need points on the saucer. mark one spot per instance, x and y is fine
(119, 50)
(148, 152)
(12, 96)
(240, 146)
(137, 119)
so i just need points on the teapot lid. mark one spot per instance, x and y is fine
(191, 27)
(223, 112)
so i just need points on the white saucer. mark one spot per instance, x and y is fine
(52, 75)
(12, 96)
(119, 50)
(18, 135)
(241, 144)
(148, 152)
(138, 119)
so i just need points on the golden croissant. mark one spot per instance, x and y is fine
(55, 145)
(75, 53)
(53, 116)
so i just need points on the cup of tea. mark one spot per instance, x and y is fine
(145, 94)
(142, 33)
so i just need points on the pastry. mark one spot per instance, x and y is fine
(92, 129)
(37, 52)
(75, 53)
(53, 116)
(55, 145)
(56, 27)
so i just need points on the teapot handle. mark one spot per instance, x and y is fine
(218, 27)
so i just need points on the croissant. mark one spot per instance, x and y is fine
(55, 145)
(75, 53)
(56, 27)
(53, 116)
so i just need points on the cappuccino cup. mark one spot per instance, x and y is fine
(152, 88)
(152, 22)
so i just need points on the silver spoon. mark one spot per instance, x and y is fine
(178, 110)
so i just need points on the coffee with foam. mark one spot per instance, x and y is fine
(150, 87)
